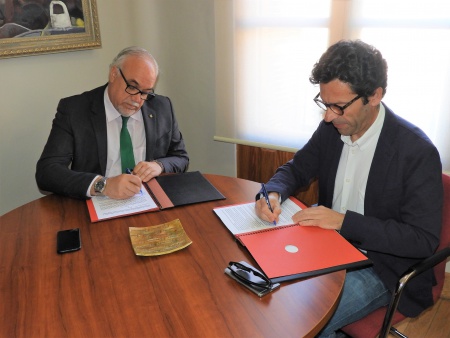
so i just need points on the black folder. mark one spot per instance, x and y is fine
(181, 189)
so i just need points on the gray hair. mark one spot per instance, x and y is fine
(133, 51)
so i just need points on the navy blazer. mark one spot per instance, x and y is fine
(76, 149)
(403, 201)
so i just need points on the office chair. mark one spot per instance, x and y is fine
(381, 320)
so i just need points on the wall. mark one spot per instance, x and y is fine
(184, 39)
(180, 34)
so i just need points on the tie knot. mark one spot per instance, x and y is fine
(124, 119)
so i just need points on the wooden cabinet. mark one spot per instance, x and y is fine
(259, 165)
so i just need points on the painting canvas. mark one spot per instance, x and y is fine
(29, 27)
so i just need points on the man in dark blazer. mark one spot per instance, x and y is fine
(82, 154)
(379, 183)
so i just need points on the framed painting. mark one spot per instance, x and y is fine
(31, 27)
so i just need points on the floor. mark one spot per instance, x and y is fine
(434, 322)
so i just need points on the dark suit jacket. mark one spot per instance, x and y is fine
(403, 201)
(76, 150)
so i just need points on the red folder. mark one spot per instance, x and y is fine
(291, 252)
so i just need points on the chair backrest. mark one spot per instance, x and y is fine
(370, 325)
(439, 270)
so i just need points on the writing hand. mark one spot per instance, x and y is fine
(262, 209)
(122, 186)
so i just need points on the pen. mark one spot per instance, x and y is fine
(128, 171)
(266, 197)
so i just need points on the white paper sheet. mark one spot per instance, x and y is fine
(108, 208)
(242, 218)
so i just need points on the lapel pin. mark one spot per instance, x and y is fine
(150, 115)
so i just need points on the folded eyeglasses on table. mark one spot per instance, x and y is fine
(251, 278)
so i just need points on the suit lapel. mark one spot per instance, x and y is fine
(98, 119)
(384, 153)
(149, 116)
(333, 166)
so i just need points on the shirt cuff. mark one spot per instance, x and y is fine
(88, 192)
(261, 195)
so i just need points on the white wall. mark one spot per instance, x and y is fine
(180, 34)
(183, 37)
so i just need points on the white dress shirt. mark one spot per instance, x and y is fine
(136, 129)
(354, 166)
(114, 125)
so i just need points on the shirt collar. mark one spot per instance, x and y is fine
(371, 134)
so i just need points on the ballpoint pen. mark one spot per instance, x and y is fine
(266, 197)
(128, 171)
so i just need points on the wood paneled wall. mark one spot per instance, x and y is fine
(259, 165)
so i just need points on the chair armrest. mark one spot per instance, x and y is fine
(412, 272)
(429, 262)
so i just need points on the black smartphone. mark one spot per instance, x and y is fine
(68, 240)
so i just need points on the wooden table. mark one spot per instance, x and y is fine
(104, 290)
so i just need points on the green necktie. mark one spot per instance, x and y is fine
(126, 147)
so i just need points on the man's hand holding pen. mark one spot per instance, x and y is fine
(263, 211)
(122, 186)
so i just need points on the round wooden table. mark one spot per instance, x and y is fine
(105, 290)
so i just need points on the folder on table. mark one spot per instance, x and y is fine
(288, 251)
(161, 192)
(295, 251)
(182, 189)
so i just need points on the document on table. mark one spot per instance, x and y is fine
(102, 207)
(289, 251)
(159, 193)
(242, 218)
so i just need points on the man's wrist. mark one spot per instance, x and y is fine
(100, 185)
(261, 195)
(160, 164)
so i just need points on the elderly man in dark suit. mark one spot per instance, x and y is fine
(84, 154)
(380, 183)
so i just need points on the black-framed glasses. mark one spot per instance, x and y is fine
(339, 110)
(249, 275)
(132, 90)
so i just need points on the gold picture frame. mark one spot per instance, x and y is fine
(62, 32)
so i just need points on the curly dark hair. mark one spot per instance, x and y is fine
(354, 62)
